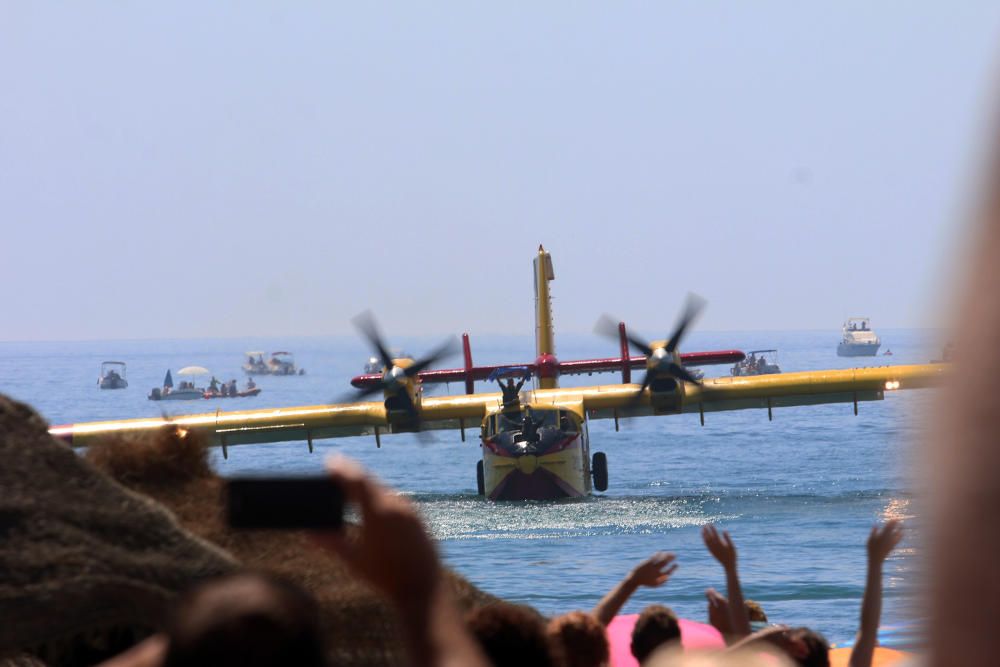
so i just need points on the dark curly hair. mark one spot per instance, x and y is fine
(577, 639)
(251, 619)
(511, 635)
(657, 625)
(817, 648)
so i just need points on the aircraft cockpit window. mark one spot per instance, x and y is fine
(552, 420)
(566, 422)
(505, 423)
(543, 418)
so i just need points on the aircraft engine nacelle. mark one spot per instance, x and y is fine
(666, 390)
(401, 396)
(666, 395)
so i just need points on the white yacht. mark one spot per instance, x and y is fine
(859, 340)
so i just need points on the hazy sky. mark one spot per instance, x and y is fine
(199, 169)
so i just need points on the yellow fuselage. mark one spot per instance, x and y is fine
(545, 458)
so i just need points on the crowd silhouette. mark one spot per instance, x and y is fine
(256, 620)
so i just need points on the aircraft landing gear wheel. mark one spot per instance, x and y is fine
(480, 479)
(599, 469)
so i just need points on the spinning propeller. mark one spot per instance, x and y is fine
(663, 360)
(394, 376)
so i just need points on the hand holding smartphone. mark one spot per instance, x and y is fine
(284, 503)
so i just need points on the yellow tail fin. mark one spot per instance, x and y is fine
(545, 344)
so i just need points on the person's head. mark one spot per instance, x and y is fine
(755, 611)
(248, 619)
(510, 635)
(806, 647)
(657, 625)
(577, 639)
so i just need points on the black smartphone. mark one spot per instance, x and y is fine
(284, 503)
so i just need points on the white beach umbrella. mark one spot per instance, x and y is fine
(193, 370)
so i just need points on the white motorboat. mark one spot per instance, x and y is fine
(757, 362)
(280, 363)
(859, 340)
(112, 375)
(255, 364)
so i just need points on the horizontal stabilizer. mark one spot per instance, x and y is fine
(578, 367)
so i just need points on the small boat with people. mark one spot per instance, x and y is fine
(186, 389)
(858, 339)
(229, 389)
(192, 387)
(757, 362)
(280, 363)
(112, 375)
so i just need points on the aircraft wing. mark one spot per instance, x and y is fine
(761, 391)
(315, 422)
(306, 423)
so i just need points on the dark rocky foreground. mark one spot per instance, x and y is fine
(94, 548)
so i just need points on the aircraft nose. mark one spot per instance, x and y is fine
(527, 463)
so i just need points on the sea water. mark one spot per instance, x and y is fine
(798, 494)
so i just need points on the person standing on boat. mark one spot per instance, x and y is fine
(233, 391)
(213, 386)
(251, 385)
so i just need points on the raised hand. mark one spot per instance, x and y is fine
(652, 572)
(390, 550)
(720, 546)
(883, 540)
(718, 611)
(393, 552)
(655, 570)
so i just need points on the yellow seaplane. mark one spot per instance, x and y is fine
(534, 442)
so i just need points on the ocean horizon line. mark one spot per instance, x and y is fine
(432, 336)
